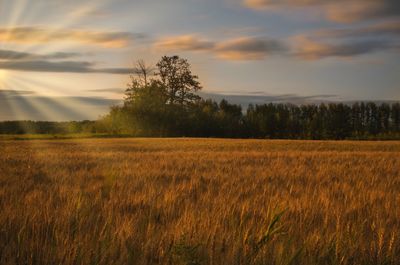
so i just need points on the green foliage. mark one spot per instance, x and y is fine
(178, 81)
(274, 229)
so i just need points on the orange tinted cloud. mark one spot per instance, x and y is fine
(30, 35)
(80, 67)
(248, 48)
(242, 48)
(357, 10)
(348, 42)
(336, 10)
(17, 55)
(185, 42)
(260, 4)
(309, 49)
(385, 28)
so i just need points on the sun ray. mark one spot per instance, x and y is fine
(13, 13)
(51, 108)
(21, 13)
(3, 76)
(26, 105)
(47, 87)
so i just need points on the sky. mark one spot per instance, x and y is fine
(70, 59)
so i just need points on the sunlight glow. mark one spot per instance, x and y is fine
(65, 36)
(3, 76)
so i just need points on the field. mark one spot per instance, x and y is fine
(199, 201)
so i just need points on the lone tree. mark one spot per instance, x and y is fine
(172, 80)
(177, 79)
(157, 100)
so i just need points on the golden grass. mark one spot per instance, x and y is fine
(199, 201)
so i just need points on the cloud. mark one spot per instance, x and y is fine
(185, 42)
(259, 98)
(309, 49)
(108, 90)
(347, 42)
(29, 35)
(59, 67)
(313, 46)
(263, 98)
(242, 48)
(90, 12)
(52, 62)
(12, 93)
(16, 55)
(382, 29)
(247, 48)
(357, 10)
(336, 10)
(262, 4)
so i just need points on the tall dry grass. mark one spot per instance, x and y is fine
(198, 201)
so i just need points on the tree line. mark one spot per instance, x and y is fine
(161, 101)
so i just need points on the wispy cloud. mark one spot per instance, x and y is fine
(59, 67)
(309, 49)
(336, 10)
(390, 28)
(12, 93)
(186, 42)
(355, 10)
(31, 35)
(52, 62)
(17, 55)
(241, 48)
(263, 98)
(108, 90)
(315, 45)
(90, 11)
(248, 48)
(347, 42)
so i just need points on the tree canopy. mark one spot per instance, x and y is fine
(178, 81)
